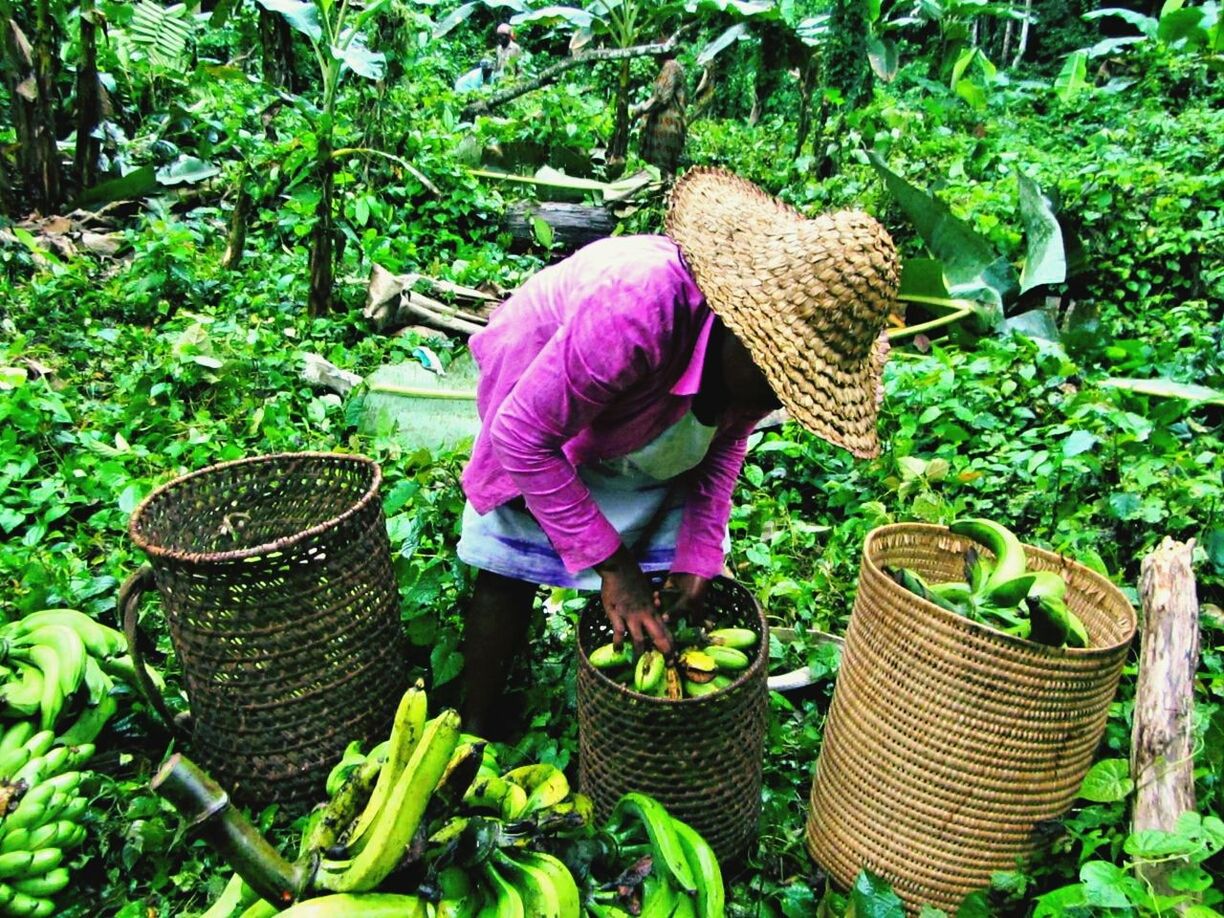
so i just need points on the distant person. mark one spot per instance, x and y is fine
(665, 128)
(475, 78)
(508, 52)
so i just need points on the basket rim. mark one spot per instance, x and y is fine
(931, 529)
(240, 554)
(760, 660)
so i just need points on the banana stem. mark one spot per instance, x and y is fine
(206, 807)
(911, 330)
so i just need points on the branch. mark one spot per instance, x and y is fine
(550, 74)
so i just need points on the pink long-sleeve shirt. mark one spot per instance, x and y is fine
(592, 359)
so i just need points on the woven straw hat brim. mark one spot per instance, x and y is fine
(808, 297)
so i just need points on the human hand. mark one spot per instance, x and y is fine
(632, 605)
(689, 591)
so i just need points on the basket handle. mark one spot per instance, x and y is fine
(130, 594)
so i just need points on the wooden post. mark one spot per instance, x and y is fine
(1162, 758)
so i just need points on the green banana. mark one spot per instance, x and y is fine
(911, 581)
(90, 722)
(728, 658)
(978, 569)
(1009, 593)
(358, 905)
(659, 898)
(566, 889)
(711, 895)
(546, 786)
(16, 736)
(236, 895)
(394, 827)
(405, 735)
(45, 766)
(660, 829)
(459, 897)
(504, 901)
(40, 742)
(488, 793)
(41, 861)
(739, 638)
(1047, 584)
(608, 657)
(539, 895)
(1056, 625)
(124, 668)
(326, 828)
(67, 646)
(6, 894)
(44, 885)
(1003, 544)
(100, 640)
(24, 696)
(648, 673)
(702, 689)
(28, 906)
(262, 909)
(15, 864)
(351, 758)
(12, 762)
(514, 802)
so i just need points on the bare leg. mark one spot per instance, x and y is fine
(494, 631)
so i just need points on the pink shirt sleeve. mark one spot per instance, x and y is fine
(699, 544)
(617, 336)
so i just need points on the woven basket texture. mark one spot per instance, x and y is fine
(948, 741)
(275, 575)
(699, 757)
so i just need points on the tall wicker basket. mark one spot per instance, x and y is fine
(700, 757)
(948, 741)
(275, 576)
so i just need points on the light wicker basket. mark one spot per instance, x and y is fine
(948, 741)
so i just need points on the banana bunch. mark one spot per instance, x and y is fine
(678, 876)
(40, 816)
(707, 663)
(1004, 593)
(49, 656)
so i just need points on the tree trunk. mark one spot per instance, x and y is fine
(235, 240)
(30, 76)
(807, 79)
(1007, 40)
(89, 101)
(276, 49)
(619, 143)
(320, 302)
(1162, 741)
(573, 225)
(1024, 33)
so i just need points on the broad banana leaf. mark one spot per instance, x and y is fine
(419, 409)
(1045, 260)
(300, 14)
(1073, 78)
(1168, 388)
(972, 270)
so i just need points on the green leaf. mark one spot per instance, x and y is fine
(356, 57)
(13, 377)
(556, 15)
(300, 14)
(457, 15)
(161, 32)
(186, 170)
(1167, 388)
(872, 897)
(1145, 24)
(1213, 544)
(971, 268)
(1045, 261)
(1184, 25)
(1107, 781)
(135, 184)
(1105, 885)
(1153, 844)
(882, 55)
(712, 48)
(1079, 441)
(1073, 77)
(542, 230)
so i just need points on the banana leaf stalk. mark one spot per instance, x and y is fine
(206, 807)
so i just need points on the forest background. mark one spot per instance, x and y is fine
(194, 198)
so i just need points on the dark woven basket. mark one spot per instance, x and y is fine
(275, 575)
(700, 757)
(949, 742)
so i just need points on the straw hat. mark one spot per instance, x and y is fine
(807, 297)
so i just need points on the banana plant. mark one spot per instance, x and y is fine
(966, 276)
(334, 31)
